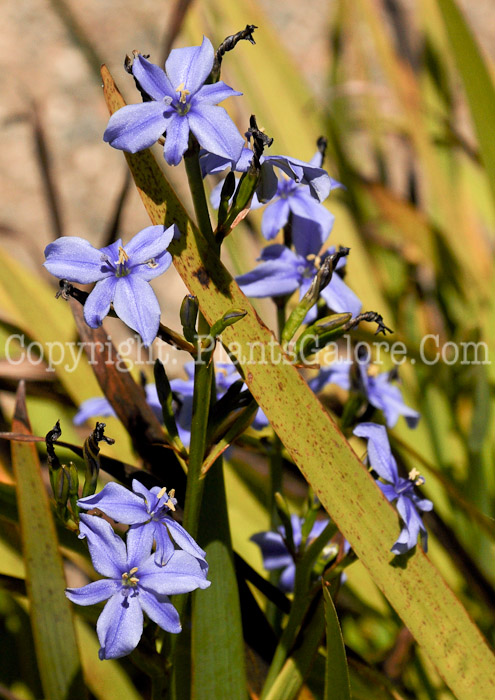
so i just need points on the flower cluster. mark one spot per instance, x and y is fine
(137, 580)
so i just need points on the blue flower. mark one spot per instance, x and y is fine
(377, 388)
(397, 488)
(134, 584)
(311, 174)
(181, 102)
(121, 273)
(148, 510)
(282, 271)
(101, 406)
(275, 553)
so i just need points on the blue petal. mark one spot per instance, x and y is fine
(164, 546)
(154, 268)
(75, 259)
(139, 545)
(275, 216)
(270, 279)
(190, 65)
(107, 549)
(118, 503)
(273, 550)
(97, 406)
(93, 593)
(337, 373)
(136, 127)
(385, 396)
(182, 538)
(152, 79)
(412, 522)
(320, 183)
(312, 222)
(379, 453)
(215, 131)
(149, 243)
(136, 304)
(213, 94)
(97, 305)
(119, 626)
(340, 298)
(177, 139)
(211, 163)
(181, 574)
(160, 610)
(287, 579)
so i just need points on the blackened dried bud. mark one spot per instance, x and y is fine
(128, 61)
(393, 375)
(51, 437)
(68, 290)
(371, 317)
(260, 140)
(228, 44)
(321, 145)
(98, 435)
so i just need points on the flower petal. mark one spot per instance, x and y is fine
(135, 127)
(181, 574)
(107, 549)
(136, 304)
(154, 268)
(190, 65)
(270, 278)
(139, 544)
(215, 131)
(337, 373)
(340, 298)
(75, 259)
(182, 538)
(388, 398)
(164, 545)
(97, 305)
(160, 610)
(97, 406)
(312, 223)
(215, 93)
(287, 579)
(379, 453)
(94, 592)
(118, 503)
(152, 79)
(273, 550)
(149, 243)
(119, 626)
(177, 139)
(275, 216)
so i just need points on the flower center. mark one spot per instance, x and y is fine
(416, 478)
(129, 580)
(168, 504)
(122, 266)
(183, 107)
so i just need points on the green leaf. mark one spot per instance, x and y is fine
(51, 619)
(337, 685)
(346, 490)
(217, 639)
(480, 91)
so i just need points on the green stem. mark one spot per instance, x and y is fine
(195, 179)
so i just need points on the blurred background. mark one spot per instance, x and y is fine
(404, 93)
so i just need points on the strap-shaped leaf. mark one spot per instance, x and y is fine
(51, 619)
(337, 686)
(346, 490)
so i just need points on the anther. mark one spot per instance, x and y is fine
(183, 93)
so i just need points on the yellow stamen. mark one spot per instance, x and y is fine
(171, 493)
(133, 579)
(125, 575)
(373, 371)
(183, 93)
(170, 505)
(415, 475)
(133, 571)
(123, 256)
(161, 492)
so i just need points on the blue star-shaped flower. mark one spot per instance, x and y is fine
(181, 102)
(275, 553)
(377, 388)
(122, 275)
(282, 271)
(397, 488)
(134, 584)
(147, 510)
